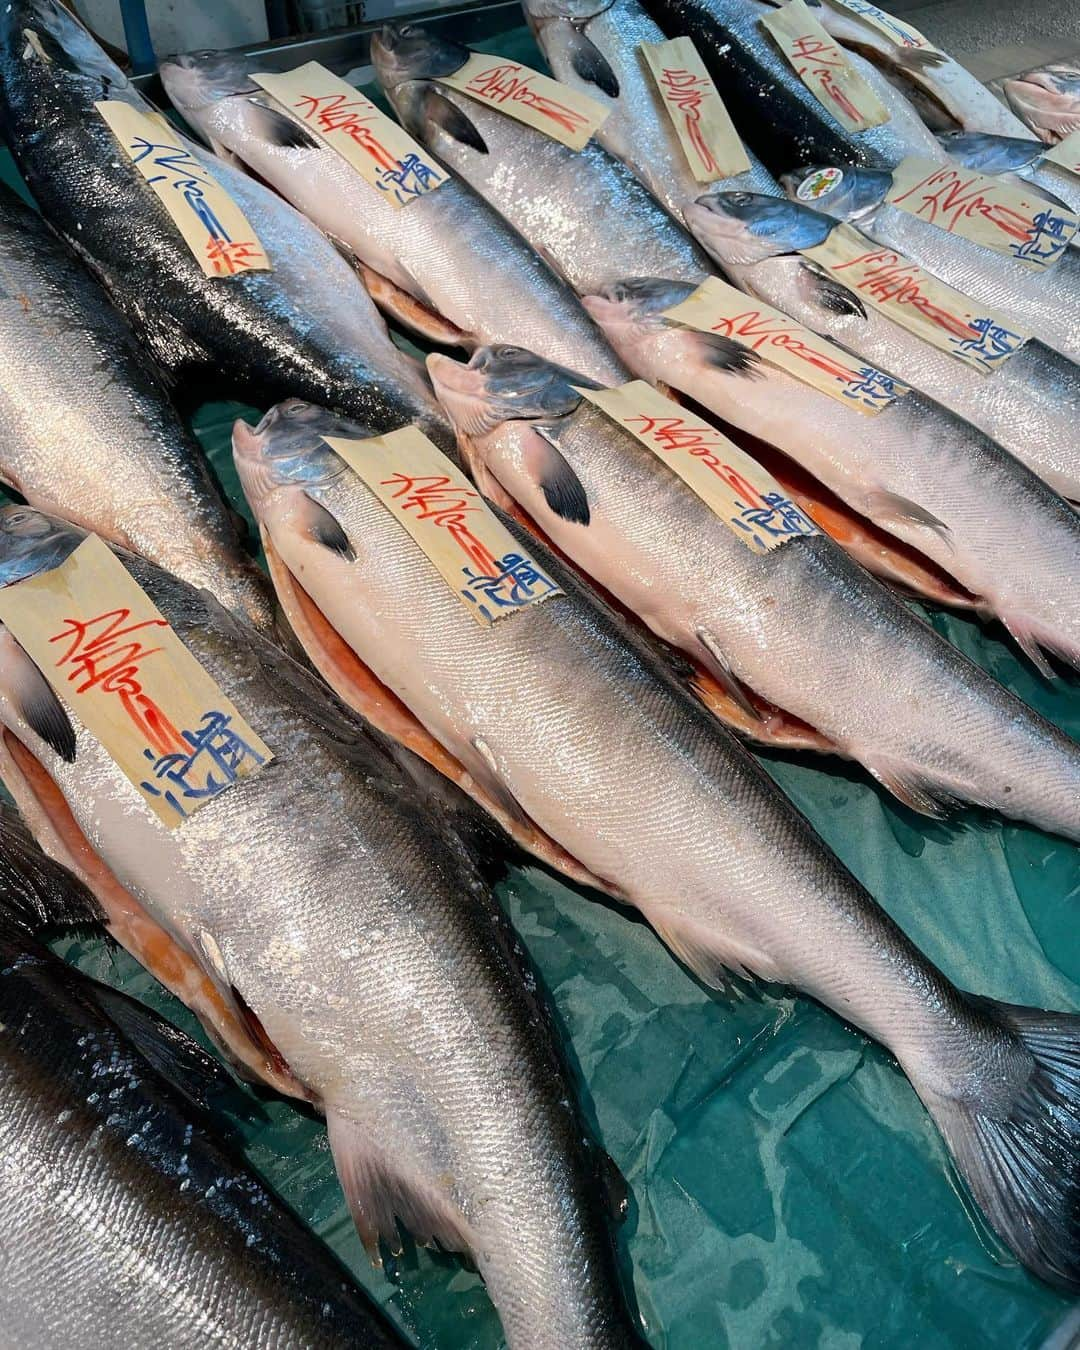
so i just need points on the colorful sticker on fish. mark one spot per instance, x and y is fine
(949, 320)
(887, 24)
(716, 307)
(824, 68)
(749, 501)
(1029, 229)
(537, 100)
(489, 571)
(1066, 154)
(818, 183)
(383, 153)
(706, 132)
(219, 235)
(118, 665)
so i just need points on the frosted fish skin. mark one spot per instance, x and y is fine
(449, 250)
(776, 114)
(631, 775)
(88, 431)
(127, 1219)
(551, 195)
(336, 899)
(802, 624)
(962, 502)
(637, 129)
(308, 324)
(1044, 302)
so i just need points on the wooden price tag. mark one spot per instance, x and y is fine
(113, 659)
(716, 307)
(1029, 229)
(824, 68)
(706, 133)
(749, 501)
(475, 554)
(382, 152)
(947, 319)
(558, 111)
(887, 24)
(1066, 153)
(219, 235)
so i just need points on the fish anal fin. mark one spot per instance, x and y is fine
(1038, 646)
(708, 953)
(380, 1197)
(722, 672)
(884, 507)
(918, 60)
(410, 312)
(563, 490)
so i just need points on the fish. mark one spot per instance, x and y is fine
(308, 324)
(87, 429)
(552, 195)
(943, 91)
(328, 919)
(964, 500)
(1031, 297)
(594, 46)
(1047, 100)
(580, 726)
(801, 624)
(776, 114)
(128, 1216)
(449, 253)
(1017, 160)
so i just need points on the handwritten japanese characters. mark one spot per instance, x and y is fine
(218, 233)
(705, 131)
(1031, 230)
(716, 307)
(383, 153)
(888, 24)
(476, 555)
(537, 100)
(113, 659)
(749, 501)
(918, 301)
(824, 68)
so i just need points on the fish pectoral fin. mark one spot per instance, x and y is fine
(278, 129)
(35, 891)
(884, 506)
(723, 673)
(379, 1196)
(316, 521)
(590, 64)
(563, 490)
(723, 353)
(823, 290)
(441, 112)
(34, 699)
(707, 952)
(412, 312)
(486, 773)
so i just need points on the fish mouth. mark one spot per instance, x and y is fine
(462, 391)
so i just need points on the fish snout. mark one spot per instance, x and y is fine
(462, 390)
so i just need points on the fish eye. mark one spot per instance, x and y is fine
(739, 198)
(294, 407)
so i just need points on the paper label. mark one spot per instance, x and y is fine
(219, 235)
(888, 24)
(113, 659)
(987, 211)
(1066, 153)
(816, 184)
(537, 100)
(904, 292)
(823, 67)
(749, 501)
(706, 133)
(716, 307)
(476, 555)
(383, 153)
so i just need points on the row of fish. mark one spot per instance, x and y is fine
(345, 947)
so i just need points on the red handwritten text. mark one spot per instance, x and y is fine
(435, 497)
(511, 83)
(686, 92)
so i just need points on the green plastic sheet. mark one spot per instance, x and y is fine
(789, 1191)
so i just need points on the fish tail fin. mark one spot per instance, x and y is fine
(1015, 1136)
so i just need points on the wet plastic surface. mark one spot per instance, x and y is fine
(788, 1189)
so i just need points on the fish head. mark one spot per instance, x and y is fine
(539, 12)
(631, 314)
(1047, 100)
(286, 455)
(743, 228)
(408, 59)
(32, 542)
(498, 401)
(61, 46)
(195, 81)
(990, 154)
(844, 193)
